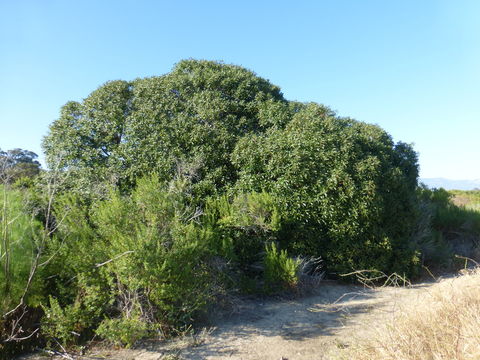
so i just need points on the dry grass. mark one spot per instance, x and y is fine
(442, 323)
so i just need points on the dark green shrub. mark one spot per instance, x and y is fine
(344, 190)
(241, 228)
(238, 168)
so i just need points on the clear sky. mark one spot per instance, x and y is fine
(410, 66)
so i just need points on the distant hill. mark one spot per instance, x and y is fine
(449, 184)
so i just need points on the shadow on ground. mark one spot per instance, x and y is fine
(318, 316)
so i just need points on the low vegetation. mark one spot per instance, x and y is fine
(468, 199)
(451, 234)
(165, 195)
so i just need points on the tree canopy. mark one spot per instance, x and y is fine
(18, 163)
(190, 118)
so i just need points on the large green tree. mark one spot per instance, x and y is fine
(345, 190)
(187, 120)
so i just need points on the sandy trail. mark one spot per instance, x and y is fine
(318, 326)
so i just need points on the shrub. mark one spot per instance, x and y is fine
(123, 331)
(63, 324)
(192, 117)
(344, 190)
(237, 169)
(22, 288)
(240, 229)
(158, 250)
(19, 237)
(281, 271)
(130, 255)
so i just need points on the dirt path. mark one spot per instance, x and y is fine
(314, 327)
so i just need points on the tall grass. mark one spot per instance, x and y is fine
(443, 323)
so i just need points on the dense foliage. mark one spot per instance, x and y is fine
(140, 259)
(171, 192)
(20, 237)
(345, 190)
(190, 118)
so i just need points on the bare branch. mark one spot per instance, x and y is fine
(114, 258)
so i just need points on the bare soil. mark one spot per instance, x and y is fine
(318, 326)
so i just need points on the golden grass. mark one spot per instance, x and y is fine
(442, 323)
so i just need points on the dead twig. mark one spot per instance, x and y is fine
(114, 258)
(467, 259)
(370, 282)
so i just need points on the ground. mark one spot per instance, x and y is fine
(318, 326)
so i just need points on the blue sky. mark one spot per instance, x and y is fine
(412, 67)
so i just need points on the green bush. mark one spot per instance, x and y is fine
(240, 229)
(281, 271)
(63, 324)
(448, 217)
(130, 265)
(21, 245)
(189, 119)
(20, 236)
(344, 190)
(138, 254)
(123, 331)
(159, 251)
